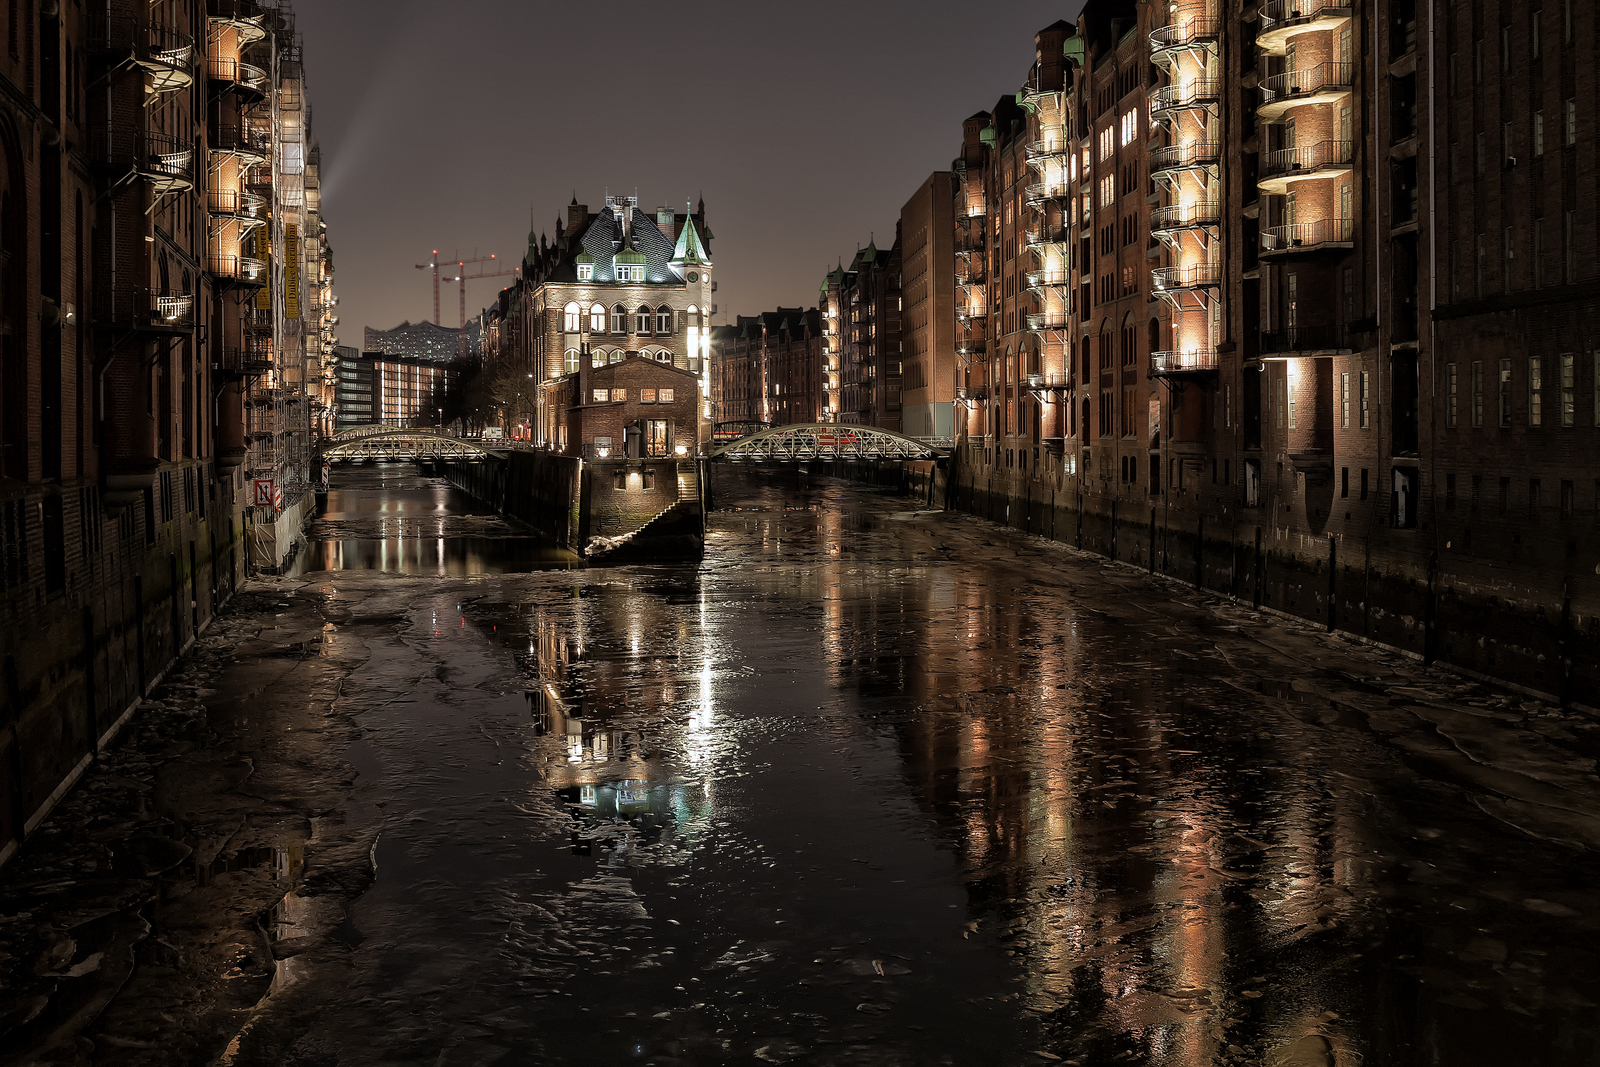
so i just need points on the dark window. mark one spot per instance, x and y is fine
(1344, 481)
(1363, 483)
(55, 546)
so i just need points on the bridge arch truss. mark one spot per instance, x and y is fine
(366, 443)
(825, 440)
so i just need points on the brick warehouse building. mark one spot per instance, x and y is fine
(927, 287)
(1350, 377)
(166, 282)
(862, 307)
(768, 368)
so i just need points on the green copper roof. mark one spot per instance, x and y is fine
(629, 255)
(689, 249)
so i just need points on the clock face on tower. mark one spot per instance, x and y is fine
(694, 276)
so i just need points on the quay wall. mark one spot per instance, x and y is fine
(99, 604)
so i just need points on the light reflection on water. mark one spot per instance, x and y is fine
(390, 517)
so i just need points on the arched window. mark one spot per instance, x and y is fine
(597, 357)
(597, 319)
(663, 320)
(664, 356)
(569, 361)
(571, 318)
(617, 355)
(619, 319)
(641, 321)
(692, 316)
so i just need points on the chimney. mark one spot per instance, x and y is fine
(577, 215)
(667, 222)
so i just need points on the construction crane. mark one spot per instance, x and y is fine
(490, 271)
(463, 278)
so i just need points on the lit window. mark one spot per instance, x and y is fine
(569, 361)
(1108, 191)
(619, 394)
(666, 396)
(617, 356)
(585, 272)
(1130, 127)
(602, 396)
(1108, 143)
(571, 319)
(597, 319)
(647, 396)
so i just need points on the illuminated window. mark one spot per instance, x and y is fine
(619, 394)
(1108, 190)
(585, 272)
(569, 361)
(602, 396)
(663, 320)
(597, 319)
(641, 320)
(571, 319)
(1130, 127)
(1108, 143)
(647, 396)
(666, 396)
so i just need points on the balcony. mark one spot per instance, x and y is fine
(1039, 192)
(970, 271)
(1188, 361)
(1039, 237)
(247, 209)
(1195, 94)
(237, 74)
(1287, 165)
(258, 320)
(972, 313)
(1181, 36)
(1047, 279)
(1182, 157)
(161, 160)
(141, 308)
(242, 16)
(251, 144)
(1322, 83)
(1051, 146)
(1305, 340)
(1282, 19)
(1178, 217)
(1050, 319)
(1307, 236)
(971, 234)
(1197, 276)
(240, 270)
(164, 54)
(250, 361)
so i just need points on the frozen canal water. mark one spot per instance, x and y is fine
(873, 785)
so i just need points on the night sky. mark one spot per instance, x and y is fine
(805, 127)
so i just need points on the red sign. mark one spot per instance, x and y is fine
(264, 495)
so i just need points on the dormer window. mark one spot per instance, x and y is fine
(630, 272)
(586, 272)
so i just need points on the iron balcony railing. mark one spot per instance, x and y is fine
(239, 73)
(143, 308)
(1185, 216)
(235, 204)
(1310, 157)
(1198, 92)
(1051, 319)
(1049, 235)
(1187, 361)
(1051, 143)
(163, 53)
(1319, 77)
(1197, 31)
(1276, 11)
(258, 320)
(1184, 156)
(1319, 338)
(248, 360)
(254, 143)
(1307, 235)
(160, 159)
(1197, 276)
(1039, 192)
(237, 268)
(1040, 279)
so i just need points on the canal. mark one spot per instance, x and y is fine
(875, 785)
